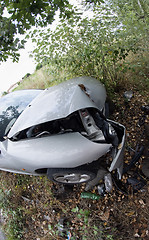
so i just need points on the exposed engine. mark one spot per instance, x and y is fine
(90, 123)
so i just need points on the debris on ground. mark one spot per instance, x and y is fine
(119, 214)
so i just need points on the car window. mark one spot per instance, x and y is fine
(11, 106)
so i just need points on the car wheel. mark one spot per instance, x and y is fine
(70, 176)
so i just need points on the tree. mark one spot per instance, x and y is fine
(134, 16)
(17, 16)
(96, 46)
(23, 14)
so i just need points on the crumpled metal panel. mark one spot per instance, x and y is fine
(59, 101)
(58, 151)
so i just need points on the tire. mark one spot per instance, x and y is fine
(70, 176)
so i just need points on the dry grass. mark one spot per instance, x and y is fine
(138, 70)
(45, 77)
(133, 73)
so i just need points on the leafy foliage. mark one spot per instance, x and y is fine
(96, 46)
(8, 44)
(17, 16)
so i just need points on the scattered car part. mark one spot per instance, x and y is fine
(136, 183)
(135, 159)
(135, 180)
(128, 94)
(120, 186)
(108, 182)
(100, 175)
(101, 189)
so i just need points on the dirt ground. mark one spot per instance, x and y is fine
(48, 211)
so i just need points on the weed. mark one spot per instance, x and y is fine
(88, 228)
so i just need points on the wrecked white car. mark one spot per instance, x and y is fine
(61, 131)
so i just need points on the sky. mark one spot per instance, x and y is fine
(11, 73)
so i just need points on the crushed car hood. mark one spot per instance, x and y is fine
(60, 101)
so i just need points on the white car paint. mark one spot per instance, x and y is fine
(67, 150)
(59, 101)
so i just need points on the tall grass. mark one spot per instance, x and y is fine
(45, 77)
(132, 73)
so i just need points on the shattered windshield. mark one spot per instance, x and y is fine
(11, 106)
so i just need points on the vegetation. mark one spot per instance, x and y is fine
(112, 46)
(100, 46)
(18, 16)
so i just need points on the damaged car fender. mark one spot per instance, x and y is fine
(49, 152)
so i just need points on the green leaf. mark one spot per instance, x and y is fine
(76, 209)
